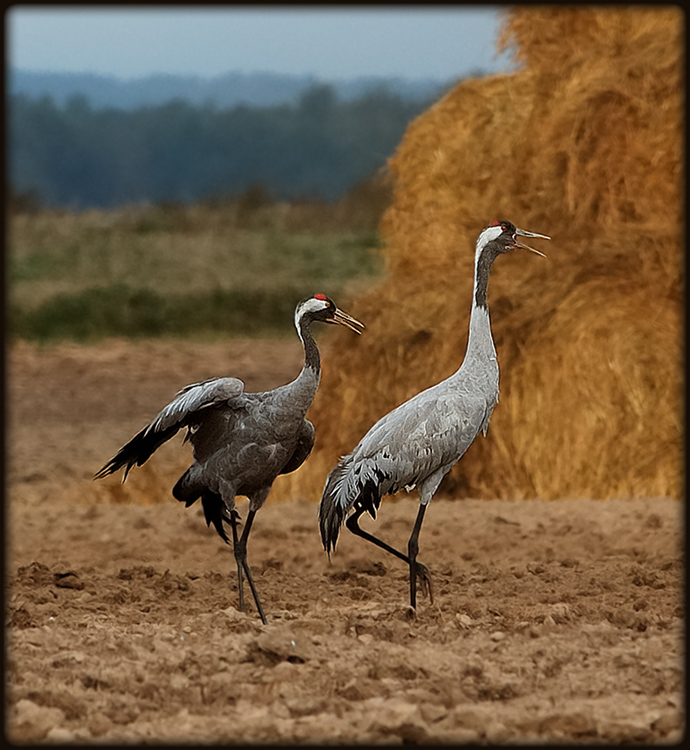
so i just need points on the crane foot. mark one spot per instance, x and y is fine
(424, 578)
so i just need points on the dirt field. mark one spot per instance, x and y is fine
(552, 621)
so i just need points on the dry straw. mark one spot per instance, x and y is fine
(582, 143)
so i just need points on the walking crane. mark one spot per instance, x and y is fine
(417, 443)
(242, 441)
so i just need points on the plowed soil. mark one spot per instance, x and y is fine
(556, 621)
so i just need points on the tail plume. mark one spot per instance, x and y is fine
(215, 513)
(349, 485)
(188, 491)
(332, 508)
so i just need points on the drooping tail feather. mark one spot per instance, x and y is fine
(347, 486)
(332, 510)
(137, 451)
(215, 512)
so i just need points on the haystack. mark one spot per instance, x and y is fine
(582, 143)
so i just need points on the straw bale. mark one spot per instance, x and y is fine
(582, 143)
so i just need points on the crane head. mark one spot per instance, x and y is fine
(505, 234)
(322, 309)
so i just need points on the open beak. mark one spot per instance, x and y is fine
(525, 233)
(343, 319)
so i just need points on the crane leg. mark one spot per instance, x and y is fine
(412, 549)
(240, 550)
(420, 570)
(240, 571)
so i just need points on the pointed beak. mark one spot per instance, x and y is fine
(525, 233)
(343, 319)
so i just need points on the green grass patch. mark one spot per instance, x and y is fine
(178, 271)
(124, 311)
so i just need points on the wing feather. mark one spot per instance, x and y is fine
(305, 443)
(422, 436)
(416, 443)
(182, 411)
(192, 398)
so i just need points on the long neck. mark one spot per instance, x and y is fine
(480, 343)
(312, 359)
(305, 385)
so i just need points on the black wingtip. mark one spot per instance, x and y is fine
(104, 472)
(137, 451)
(111, 467)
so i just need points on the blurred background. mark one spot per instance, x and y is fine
(165, 166)
(192, 173)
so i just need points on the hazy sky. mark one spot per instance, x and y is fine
(332, 42)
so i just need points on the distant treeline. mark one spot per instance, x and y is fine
(255, 89)
(76, 156)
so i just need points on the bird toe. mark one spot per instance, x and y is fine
(410, 612)
(424, 578)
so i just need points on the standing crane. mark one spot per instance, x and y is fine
(242, 441)
(417, 443)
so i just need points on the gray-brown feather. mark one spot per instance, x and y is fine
(415, 445)
(241, 441)
(240, 448)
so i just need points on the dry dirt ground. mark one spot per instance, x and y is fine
(551, 621)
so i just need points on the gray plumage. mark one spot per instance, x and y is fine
(417, 443)
(241, 441)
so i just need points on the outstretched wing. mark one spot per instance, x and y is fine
(194, 398)
(184, 410)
